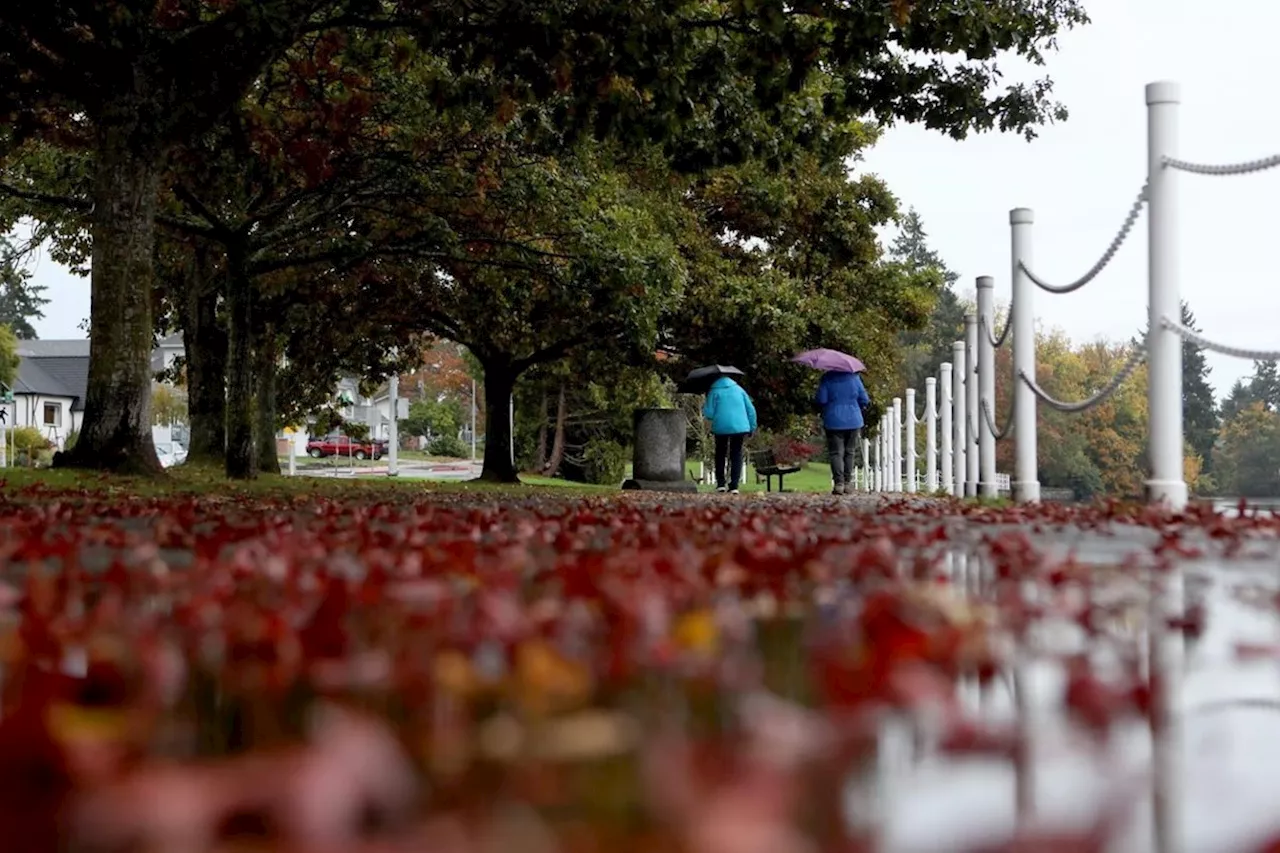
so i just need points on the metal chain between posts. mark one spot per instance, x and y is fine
(1204, 343)
(1000, 434)
(1004, 334)
(1139, 355)
(1129, 222)
(1244, 168)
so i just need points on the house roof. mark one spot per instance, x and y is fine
(54, 349)
(34, 379)
(71, 373)
(54, 369)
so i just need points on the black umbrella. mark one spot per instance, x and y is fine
(700, 379)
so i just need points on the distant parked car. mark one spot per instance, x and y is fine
(341, 445)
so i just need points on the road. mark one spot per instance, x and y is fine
(408, 469)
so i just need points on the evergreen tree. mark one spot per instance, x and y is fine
(925, 349)
(1199, 410)
(21, 301)
(1265, 385)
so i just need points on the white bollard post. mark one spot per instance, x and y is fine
(972, 417)
(986, 387)
(946, 471)
(895, 438)
(960, 467)
(1167, 485)
(930, 434)
(909, 437)
(866, 465)
(886, 427)
(880, 455)
(1026, 479)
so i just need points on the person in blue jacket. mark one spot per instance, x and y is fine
(842, 397)
(733, 418)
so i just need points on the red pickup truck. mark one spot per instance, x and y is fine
(341, 445)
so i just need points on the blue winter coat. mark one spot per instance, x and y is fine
(842, 397)
(729, 408)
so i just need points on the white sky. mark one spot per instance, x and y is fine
(1081, 176)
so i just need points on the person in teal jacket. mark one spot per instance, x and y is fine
(733, 418)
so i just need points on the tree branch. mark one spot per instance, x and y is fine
(63, 202)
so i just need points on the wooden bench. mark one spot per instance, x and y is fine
(767, 467)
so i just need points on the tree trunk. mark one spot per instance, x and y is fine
(557, 443)
(268, 358)
(116, 433)
(241, 457)
(205, 344)
(540, 457)
(499, 382)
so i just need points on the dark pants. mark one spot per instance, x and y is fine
(729, 448)
(840, 445)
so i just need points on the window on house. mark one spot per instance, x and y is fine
(53, 414)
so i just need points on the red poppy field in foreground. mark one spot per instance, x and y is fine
(537, 673)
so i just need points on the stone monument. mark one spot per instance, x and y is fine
(658, 457)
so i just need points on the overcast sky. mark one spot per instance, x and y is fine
(1081, 176)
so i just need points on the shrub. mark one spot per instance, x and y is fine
(793, 451)
(29, 446)
(606, 462)
(449, 446)
(70, 441)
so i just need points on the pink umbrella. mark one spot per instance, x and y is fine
(830, 359)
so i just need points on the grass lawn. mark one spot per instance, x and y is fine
(200, 479)
(812, 477)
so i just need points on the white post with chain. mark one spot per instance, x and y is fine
(972, 414)
(959, 467)
(909, 437)
(880, 454)
(930, 434)
(945, 468)
(886, 482)
(866, 465)
(1026, 479)
(1167, 485)
(895, 454)
(987, 387)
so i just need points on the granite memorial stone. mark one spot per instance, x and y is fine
(658, 457)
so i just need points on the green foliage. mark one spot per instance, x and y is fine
(21, 300)
(434, 418)
(356, 431)
(9, 359)
(30, 446)
(924, 350)
(449, 446)
(70, 441)
(325, 421)
(168, 404)
(1247, 458)
(606, 462)
(1199, 409)
(812, 275)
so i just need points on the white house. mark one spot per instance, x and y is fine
(167, 351)
(53, 378)
(50, 389)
